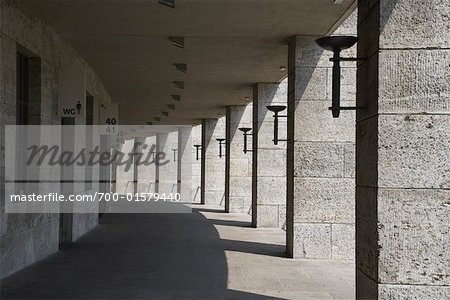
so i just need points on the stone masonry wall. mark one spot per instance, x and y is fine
(25, 239)
(403, 147)
(196, 164)
(238, 188)
(269, 160)
(213, 187)
(321, 184)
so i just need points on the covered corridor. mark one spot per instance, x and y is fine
(204, 255)
(225, 149)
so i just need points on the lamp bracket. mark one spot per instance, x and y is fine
(348, 107)
(338, 59)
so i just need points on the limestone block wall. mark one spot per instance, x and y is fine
(184, 163)
(86, 217)
(166, 174)
(125, 173)
(269, 160)
(213, 167)
(321, 163)
(25, 239)
(147, 174)
(238, 169)
(196, 164)
(402, 174)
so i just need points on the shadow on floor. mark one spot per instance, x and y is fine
(139, 256)
(198, 208)
(256, 248)
(230, 223)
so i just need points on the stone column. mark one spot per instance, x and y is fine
(196, 164)
(269, 160)
(203, 163)
(166, 173)
(147, 169)
(402, 175)
(137, 157)
(125, 171)
(320, 180)
(213, 167)
(184, 163)
(238, 166)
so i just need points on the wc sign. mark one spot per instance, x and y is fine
(71, 93)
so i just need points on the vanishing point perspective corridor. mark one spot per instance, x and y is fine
(204, 255)
(225, 149)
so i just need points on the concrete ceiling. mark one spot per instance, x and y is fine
(229, 46)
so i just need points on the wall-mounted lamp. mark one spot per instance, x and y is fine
(197, 147)
(337, 44)
(276, 109)
(246, 131)
(153, 155)
(221, 142)
(174, 154)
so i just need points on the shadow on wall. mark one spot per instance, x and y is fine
(269, 94)
(182, 147)
(209, 132)
(196, 198)
(139, 256)
(388, 8)
(237, 117)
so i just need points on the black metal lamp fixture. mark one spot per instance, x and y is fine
(174, 154)
(337, 44)
(153, 156)
(221, 142)
(246, 131)
(197, 147)
(276, 109)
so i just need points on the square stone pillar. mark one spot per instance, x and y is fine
(196, 164)
(238, 167)
(320, 175)
(213, 167)
(125, 171)
(403, 147)
(184, 163)
(269, 160)
(147, 171)
(137, 159)
(166, 174)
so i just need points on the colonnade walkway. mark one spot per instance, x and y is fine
(204, 255)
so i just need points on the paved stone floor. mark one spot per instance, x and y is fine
(204, 255)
